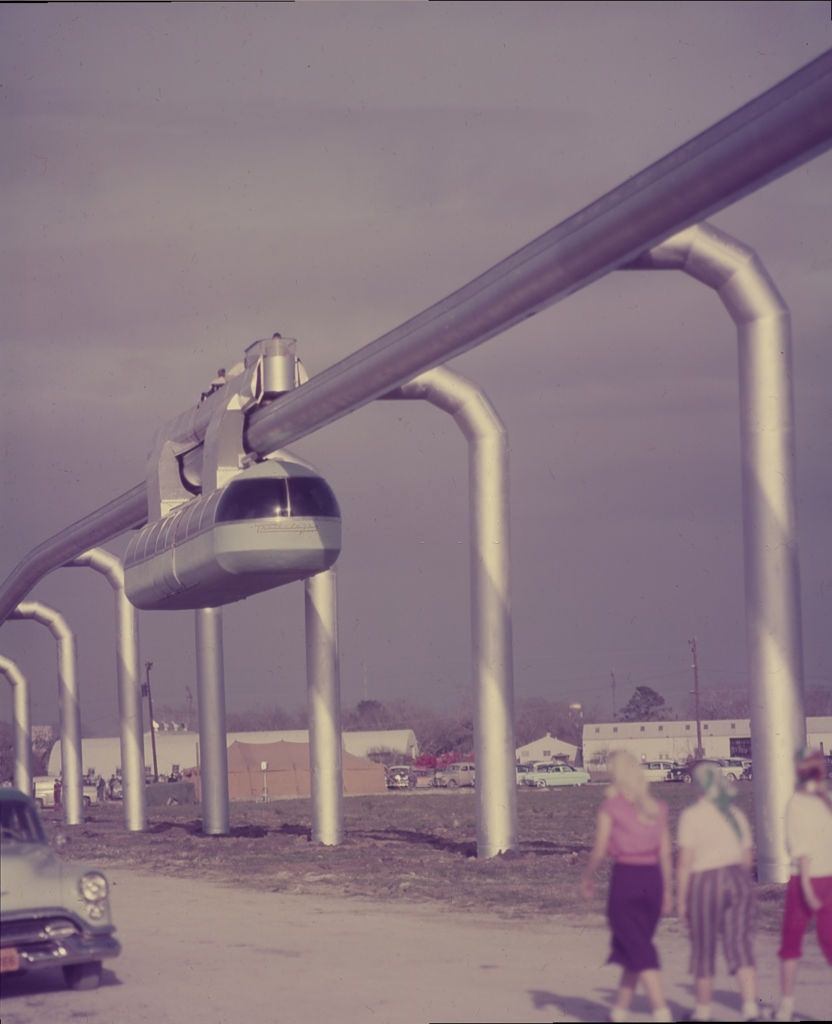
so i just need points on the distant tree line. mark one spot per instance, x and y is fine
(448, 736)
(647, 705)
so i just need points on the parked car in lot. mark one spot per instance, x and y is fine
(657, 771)
(732, 768)
(461, 773)
(44, 790)
(44, 787)
(423, 777)
(400, 776)
(52, 912)
(545, 773)
(679, 773)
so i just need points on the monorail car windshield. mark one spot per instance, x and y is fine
(267, 497)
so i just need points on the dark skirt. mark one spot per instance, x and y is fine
(634, 907)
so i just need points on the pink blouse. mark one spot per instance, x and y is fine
(634, 839)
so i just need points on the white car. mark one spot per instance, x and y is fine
(461, 773)
(53, 913)
(44, 787)
(733, 767)
(657, 771)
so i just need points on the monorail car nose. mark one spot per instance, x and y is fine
(272, 524)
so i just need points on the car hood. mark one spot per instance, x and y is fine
(33, 876)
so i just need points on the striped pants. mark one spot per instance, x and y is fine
(721, 903)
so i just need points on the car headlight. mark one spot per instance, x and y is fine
(93, 887)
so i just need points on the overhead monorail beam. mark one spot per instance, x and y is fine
(774, 133)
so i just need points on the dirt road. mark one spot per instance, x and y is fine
(200, 953)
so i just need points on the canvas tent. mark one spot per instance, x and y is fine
(288, 773)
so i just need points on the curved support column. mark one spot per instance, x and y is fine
(324, 707)
(22, 725)
(491, 633)
(767, 453)
(129, 686)
(72, 787)
(213, 752)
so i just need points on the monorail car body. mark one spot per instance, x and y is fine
(272, 524)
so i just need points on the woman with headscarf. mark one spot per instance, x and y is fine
(715, 891)
(809, 892)
(632, 829)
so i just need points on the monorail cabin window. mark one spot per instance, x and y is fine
(267, 498)
(312, 496)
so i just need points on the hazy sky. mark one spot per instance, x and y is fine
(179, 180)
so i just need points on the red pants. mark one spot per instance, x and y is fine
(796, 917)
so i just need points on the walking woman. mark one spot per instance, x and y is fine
(809, 892)
(632, 830)
(715, 891)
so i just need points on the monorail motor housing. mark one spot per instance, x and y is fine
(272, 524)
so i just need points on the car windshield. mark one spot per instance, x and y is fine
(19, 823)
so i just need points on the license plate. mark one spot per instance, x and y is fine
(9, 960)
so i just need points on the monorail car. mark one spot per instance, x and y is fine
(272, 524)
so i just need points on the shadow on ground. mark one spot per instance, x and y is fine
(30, 984)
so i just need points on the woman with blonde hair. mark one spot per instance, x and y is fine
(632, 830)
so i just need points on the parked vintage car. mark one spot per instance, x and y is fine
(657, 771)
(545, 773)
(732, 768)
(520, 772)
(461, 773)
(400, 776)
(679, 773)
(44, 790)
(423, 777)
(52, 912)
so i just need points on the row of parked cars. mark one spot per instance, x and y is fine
(544, 774)
(733, 768)
(539, 774)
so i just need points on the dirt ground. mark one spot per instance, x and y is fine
(207, 951)
(417, 847)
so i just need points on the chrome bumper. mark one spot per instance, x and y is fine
(74, 949)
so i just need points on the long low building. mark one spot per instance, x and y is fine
(181, 749)
(676, 741)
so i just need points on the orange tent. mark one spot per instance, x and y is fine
(287, 772)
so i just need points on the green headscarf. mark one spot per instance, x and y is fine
(720, 791)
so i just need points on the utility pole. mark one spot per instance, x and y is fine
(695, 691)
(189, 697)
(148, 665)
(612, 676)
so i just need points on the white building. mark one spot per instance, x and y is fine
(676, 741)
(182, 748)
(547, 748)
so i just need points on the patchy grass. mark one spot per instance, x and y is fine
(415, 846)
